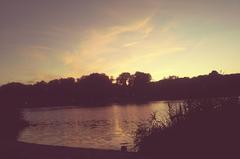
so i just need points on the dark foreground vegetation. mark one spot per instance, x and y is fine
(204, 129)
(99, 89)
(11, 123)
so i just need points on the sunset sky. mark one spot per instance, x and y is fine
(47, 39)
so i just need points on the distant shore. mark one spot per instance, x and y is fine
(99, 90)
(20, 150)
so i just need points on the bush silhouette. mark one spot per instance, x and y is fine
(206, 128)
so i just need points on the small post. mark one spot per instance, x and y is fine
(124, 148)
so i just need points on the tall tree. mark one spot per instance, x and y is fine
(140, 79)
(123, 79)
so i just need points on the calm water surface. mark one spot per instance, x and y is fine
(106, 127)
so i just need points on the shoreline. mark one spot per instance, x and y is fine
(21, 150)
(123, 103)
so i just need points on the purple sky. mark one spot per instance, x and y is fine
(46, 39)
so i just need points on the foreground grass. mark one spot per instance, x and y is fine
(205, 128)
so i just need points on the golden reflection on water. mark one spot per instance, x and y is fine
(106, 127)
(117, 126)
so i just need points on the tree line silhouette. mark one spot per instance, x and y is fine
(99, 89)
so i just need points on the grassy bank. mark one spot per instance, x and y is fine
(205, 128)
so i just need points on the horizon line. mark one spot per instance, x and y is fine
(75, 78)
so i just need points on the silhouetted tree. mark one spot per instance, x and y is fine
(214, 73)
(123, 79)
(140, 79)
(94, 88)
(171, 78)
(95, 80)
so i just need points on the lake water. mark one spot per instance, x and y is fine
(106, 127)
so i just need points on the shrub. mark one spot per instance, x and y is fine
(11, 122)
(203, 128)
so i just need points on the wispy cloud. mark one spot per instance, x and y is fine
(37, 53)
(130, 44)
(134, 46)
(96, 50)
